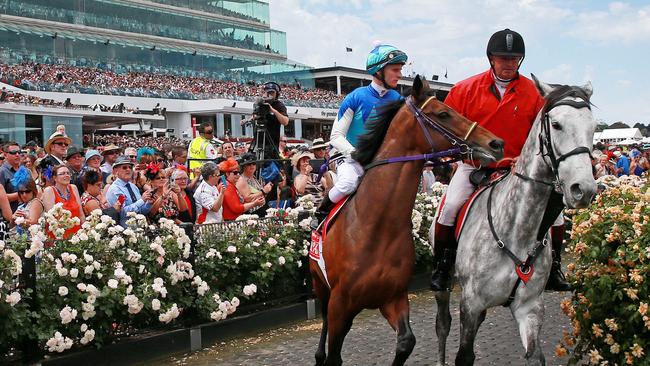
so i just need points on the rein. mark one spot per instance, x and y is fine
(525, 268)
(460, 146)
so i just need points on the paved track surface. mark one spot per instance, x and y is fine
(372, 342)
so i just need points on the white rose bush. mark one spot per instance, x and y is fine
(107, 281)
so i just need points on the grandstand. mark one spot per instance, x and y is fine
(199, 60)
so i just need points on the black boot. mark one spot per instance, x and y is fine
(444, 256)
(321, 212)
(556, 280)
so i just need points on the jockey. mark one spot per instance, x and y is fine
(505, 103)
(384, 63)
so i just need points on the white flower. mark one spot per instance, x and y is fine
(234, 302)
(63, 291)
(267, 265)
(112, 283)
(84, 327)
(236, 260)
(89, 335)
(74, 273)
(272, 242)
(81, 286)
(119, 273)
(170, 314)
(13, 298)
(281, 260)
(67, 314)
(231, 249)
(256, 244)
(155, 304)
(250, 290)
(89, 269)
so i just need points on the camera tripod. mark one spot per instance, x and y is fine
(262, 145)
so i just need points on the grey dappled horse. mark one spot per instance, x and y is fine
(484, 271)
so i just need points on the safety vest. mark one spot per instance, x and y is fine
(197, 151)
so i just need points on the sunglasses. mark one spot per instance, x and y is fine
(208, 132)
(61, 144)
(235, 173)
(24, 192)
(14, 152)
(132, 156)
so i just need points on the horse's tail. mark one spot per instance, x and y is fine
(443, 324)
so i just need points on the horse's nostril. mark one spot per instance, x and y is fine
(576, 191)
(496, 144)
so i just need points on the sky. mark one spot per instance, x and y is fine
(567, 42)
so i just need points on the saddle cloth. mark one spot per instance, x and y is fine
(494, 178)
(319, 235)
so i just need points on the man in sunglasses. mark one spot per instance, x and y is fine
(201, 147)
(56, 148)
(11, 164)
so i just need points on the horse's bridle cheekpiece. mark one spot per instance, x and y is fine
(459, 145)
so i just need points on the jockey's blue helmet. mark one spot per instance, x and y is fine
(383, 55)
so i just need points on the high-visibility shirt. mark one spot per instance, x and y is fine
(200, 148)
(509, 117)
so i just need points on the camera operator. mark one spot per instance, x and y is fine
(270, 113)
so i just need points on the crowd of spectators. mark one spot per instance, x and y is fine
(150, 176)
(621, 160)
(95, 80)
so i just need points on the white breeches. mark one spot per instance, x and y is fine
(458, 192)
(348, 174)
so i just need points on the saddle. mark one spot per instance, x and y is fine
(482, 179)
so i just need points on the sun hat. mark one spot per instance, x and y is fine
(110, 148)
(54, 137)
(228, 165)
(299, 155)
(72, 150)
(92, 153)
(247, 159)
(122, 160)
(318, 143)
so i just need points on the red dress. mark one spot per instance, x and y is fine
(71, 205)
(232, 203)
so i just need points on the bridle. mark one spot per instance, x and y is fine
(459, 147)
(546, 145)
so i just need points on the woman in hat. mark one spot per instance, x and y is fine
(166, 203)
(233, 203)
(180, 178)
(65, 193)
(247, 185)
(306, 182)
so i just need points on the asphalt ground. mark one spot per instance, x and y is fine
(372, 342)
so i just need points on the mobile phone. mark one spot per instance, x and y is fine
(224, 181)
(121, 198)
(172, 180)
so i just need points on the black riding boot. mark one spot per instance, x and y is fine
(556, 280)
(322, 211)
(444, 257)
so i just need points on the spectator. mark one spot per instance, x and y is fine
(5, 218)
(56, 148)
(201, 147)
(227, 150)
(233, 203)
(622, 164)
(31, 207)
(166, 203)
(319, 148)
(75, 160)
(306, 182)
(10, 166)
(428, 178)
(179, 157)
(65, 193)
(248, 186)
(180, 178)
(604, 167)
(132, 153)
(209, 195)
(29, 161)
(109, 154)
(123, 190)
(93, 197)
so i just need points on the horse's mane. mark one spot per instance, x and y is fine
(376, 127)
(563, 91)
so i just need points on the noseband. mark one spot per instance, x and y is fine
(459, 145)
(546, 145)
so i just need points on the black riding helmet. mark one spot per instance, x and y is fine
(506, 43)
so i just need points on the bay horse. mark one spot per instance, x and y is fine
(368, 251)
(502, 224)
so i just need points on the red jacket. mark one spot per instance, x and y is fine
(510, 118)
(232, 205)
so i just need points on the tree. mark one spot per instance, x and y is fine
(618, 124)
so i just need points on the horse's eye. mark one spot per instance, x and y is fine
(556, 125)
(443, 115)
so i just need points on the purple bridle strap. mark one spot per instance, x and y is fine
(455, 152)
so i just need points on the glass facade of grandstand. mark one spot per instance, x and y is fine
(187, 37)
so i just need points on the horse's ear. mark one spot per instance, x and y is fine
(416, 89)
(588, 89)
(420, 87)
(544, 89)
